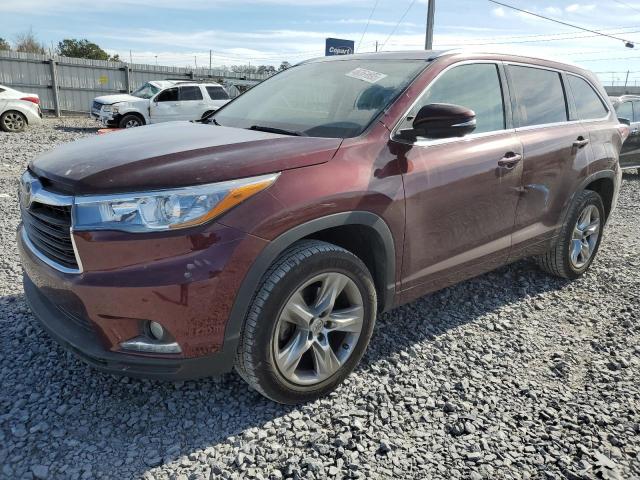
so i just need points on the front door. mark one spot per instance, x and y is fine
(165, 107)
(192, 104)
(630, 152)
(461, 193)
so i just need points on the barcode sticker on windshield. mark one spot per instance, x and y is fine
(365, 75)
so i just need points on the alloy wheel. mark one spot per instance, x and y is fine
(14, 122)
(585, 236)
(318, 328)
(132, 123)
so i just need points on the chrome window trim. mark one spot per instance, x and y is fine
(40, 195)
(440, 141)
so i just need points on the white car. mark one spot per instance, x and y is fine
(159, 101)
(18, 109)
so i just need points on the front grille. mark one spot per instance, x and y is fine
(96, 106)
(49, 229)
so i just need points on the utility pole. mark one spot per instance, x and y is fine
(626, 79)
(209, 61)
(130, 57)
(376, 45)
(195, 61)
(431, 13)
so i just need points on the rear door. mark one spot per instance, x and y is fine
(192, 105)
(556, 149)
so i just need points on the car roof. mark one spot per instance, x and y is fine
(462, 54)
(170, 83)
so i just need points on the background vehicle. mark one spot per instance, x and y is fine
(337, 189)
(159, 101)
(628, 108)
(18, 109)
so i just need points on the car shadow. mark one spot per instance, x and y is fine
(127, 426)
(632, 177)
(87, 130)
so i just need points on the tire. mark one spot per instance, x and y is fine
(267, 335)
(13, 121)
(130, 120)
(561, 260)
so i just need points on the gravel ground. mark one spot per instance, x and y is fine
(511, 375)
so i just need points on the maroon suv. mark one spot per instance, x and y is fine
(268, 238)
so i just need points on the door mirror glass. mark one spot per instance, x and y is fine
(442, 120)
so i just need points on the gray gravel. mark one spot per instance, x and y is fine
(510, 375)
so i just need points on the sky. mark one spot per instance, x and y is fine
(182, 32)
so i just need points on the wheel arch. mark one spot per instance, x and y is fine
(603, 183)
(325, 228)
(137, 113)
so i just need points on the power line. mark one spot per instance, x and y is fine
(627, 5)
(398, 24)
(560, 22)
(366, 27)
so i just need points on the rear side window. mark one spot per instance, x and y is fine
(476, 86)
(190, 93)
(624, 110)
(217, 93)
(588, 103)
(168, 95)
(538, 96)
(636, 111)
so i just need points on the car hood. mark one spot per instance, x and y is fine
(111, 99)
(174, 154)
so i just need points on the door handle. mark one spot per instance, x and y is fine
(509, 160)
(581, 142)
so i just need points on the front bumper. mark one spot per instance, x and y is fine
(107, 119)
(187, 283)
(88, 348)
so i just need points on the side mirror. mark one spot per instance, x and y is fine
(442, 120)
(626, 121)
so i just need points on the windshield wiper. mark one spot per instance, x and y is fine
(282, 131)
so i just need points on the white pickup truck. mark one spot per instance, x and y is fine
(159, 101)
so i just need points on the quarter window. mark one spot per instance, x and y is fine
(190, 93)
(217, 93)
(588, 103)
(475, 86)
(625, 110)
(538, 96)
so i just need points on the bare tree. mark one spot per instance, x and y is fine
(28, 42)
(4, 45)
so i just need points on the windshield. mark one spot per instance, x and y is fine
(146, 91)
(336, 99)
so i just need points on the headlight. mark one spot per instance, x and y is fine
(165, 209)
(106, 108)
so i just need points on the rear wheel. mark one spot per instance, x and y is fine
(578, 242)
(130, 121)
(309, 324)
(13, 121)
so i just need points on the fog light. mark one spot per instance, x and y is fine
(156, 330)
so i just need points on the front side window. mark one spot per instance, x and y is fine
(190, 93)
(625, 110)
(168, 95)
(474, 86)
(335, 98)
(538, 96)
(146, 91)
(588, 103)
(217, 93)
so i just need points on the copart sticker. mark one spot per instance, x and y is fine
(365, 75)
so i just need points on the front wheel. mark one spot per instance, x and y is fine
(130, 121)
(578, 242)
(309, 324)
